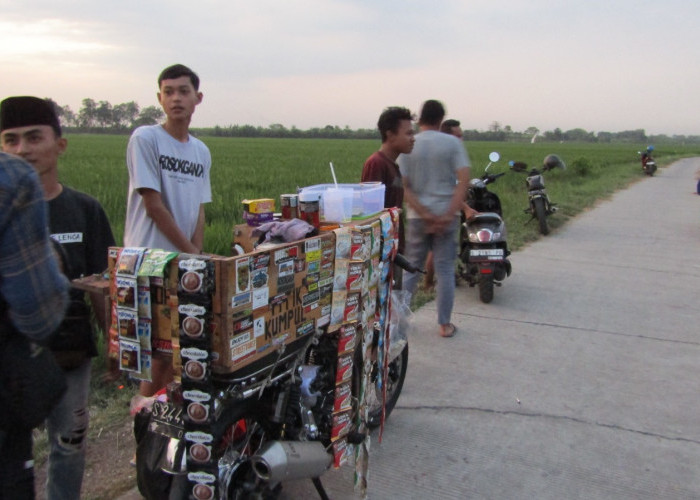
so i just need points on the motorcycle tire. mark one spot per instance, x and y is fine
(486, 288)
(541, 214)
(397, 375)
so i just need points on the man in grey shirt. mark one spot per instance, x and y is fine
(436, 176)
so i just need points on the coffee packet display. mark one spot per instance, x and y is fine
(196, 276)
(199, 409)
(196, 367)
(194, 323)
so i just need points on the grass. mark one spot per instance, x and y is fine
(256, 168)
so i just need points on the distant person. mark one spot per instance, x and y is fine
(30, 129)
(396, 130)
(452, 127)
(33, 298)
(436, 175)
(168, 186)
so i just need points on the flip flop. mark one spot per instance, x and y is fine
(450, 331)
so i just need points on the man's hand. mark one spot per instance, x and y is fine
(469, 212)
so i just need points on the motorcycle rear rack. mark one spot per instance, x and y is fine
(244, 385)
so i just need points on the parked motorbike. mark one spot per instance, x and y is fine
(273, 424)
(648, 163)
(540, 207)
(483, 257)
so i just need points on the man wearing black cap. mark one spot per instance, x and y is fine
(29, 128)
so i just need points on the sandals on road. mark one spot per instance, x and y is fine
(448, 330)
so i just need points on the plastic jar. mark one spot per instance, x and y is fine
(310, 208)
(290, 206)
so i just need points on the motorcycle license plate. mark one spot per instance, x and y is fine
(166, 419)
(481, 254)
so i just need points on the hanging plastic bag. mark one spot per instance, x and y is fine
(401, 319)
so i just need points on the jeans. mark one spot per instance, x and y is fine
(444, 250)
(67, 426)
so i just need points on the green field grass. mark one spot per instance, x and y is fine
(266, 168)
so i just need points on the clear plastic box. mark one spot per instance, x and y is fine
(367, 200)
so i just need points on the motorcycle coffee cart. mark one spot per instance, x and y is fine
(236, 325)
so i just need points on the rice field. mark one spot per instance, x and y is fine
(265, 168)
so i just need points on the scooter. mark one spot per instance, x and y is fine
(648, 163)
(483, 258)
(540, 207)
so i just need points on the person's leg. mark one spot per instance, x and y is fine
(67, 426)
(429, 271)
(16, 465)
(416, 249)
(161, 375)
(444, 255)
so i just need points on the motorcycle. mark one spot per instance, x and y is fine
(274, 422)
(540, 207)
(483, 257)
(648, 163)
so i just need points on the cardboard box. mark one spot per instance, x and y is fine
(243, 237)
(270, 297)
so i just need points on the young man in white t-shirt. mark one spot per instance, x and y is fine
(169, 184)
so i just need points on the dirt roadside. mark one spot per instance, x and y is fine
(108, 474)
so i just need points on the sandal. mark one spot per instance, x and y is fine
(449, 330)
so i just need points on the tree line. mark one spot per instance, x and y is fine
(103, 117)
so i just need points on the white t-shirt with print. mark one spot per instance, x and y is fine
(179, 171)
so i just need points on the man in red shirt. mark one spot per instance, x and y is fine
(397, 137)
(396, 129)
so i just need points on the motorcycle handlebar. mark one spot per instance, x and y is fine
(404, 264)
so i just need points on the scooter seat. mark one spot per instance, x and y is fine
(486, 217)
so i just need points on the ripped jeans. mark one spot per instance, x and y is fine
(67, 426)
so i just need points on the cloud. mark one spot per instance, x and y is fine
(597, 65)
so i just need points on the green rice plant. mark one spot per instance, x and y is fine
(266, 168)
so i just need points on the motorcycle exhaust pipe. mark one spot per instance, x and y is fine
(288, 460)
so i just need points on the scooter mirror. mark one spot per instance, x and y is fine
(494, 156)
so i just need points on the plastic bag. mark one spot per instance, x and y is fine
(401, 319)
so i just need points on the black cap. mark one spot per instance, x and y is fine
(23, 111)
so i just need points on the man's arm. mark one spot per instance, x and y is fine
(156, 210)
(460, 192)
(412, 200)
(31, 283)
(198, 236)
(456, 202)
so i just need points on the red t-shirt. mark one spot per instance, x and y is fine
(381, 168)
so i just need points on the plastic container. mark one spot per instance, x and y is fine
(367, 197)
(336, 204)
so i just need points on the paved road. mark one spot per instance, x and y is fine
(581, 378)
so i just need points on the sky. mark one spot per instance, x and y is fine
(610, 65)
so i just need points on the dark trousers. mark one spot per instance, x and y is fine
(16, 465)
